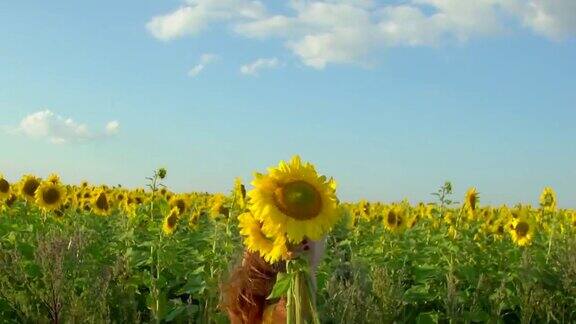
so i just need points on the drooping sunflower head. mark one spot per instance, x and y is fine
(28, 186)
(271, 248)
(170, 221)
(293, 199)
(471, 199)
(548, 199)
(239, 193)
(50, 195)
(101, 203)
(4, 188)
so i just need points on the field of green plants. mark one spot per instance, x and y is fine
(96, 254)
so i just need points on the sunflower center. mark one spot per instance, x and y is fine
(472, 201)
(51, 196)
(4, 186)
(392, 220)
(30, 187)
(181, 206)
(102, 202)
(11, 200)
(548, 200)
(298, 199)
(522, 229)
(172, 221)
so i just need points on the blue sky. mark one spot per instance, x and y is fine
(391, 98)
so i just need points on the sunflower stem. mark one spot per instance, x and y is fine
(550, 244)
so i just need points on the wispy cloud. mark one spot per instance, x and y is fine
(326, 32)
(205, 59)
(46, 125)
(255, 67)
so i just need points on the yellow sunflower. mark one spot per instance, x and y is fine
(293, 199)
(120, 197)
(170, 221)
(181, 202)
(272, 249)
(4, 188)
(217, 206)
(129, 206)
(163, 193)
(548, 199)
(28, 186)
(522, 231)
(239, 194)
(471, 200)
(395, 218)
(9, 202)
(50, 195)
(101, 203)
(139, 196)
(54, 178)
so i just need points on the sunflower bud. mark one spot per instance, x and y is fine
(162, 173)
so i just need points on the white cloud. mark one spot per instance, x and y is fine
(555, 19)
(255, 67)
(112, 127)
(196, 15)
(205, 59)
(59, 130)
(326, 32)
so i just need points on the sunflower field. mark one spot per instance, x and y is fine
(90, 253)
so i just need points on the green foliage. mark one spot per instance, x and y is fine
(80, 267)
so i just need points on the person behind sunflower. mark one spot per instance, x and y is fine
(244, 295)
(291, 209)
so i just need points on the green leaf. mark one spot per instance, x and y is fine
(425, 272)
(281, 286)
(174, 313)
(427, 318)
(416, 294)
(477, 316)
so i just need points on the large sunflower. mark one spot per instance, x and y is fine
(28, 186)
(272, 249)
(4, 188)
(50, 195)
(293, 199)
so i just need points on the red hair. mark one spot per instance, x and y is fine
(243, 296)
